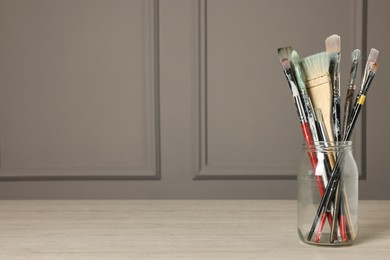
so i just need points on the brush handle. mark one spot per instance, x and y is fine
(336, 99)
(333, 231)
(349, 97)
(311, 117)
(343, 218)
(320, 92)
(309, 141)
(347, 213)
(336, 114)
(358, 105)
(348, 108)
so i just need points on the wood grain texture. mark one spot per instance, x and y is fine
(146, 229)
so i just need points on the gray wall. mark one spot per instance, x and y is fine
(171, 98)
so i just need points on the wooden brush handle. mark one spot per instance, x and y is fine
(321, 94)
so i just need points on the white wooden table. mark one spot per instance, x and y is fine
(137, 229)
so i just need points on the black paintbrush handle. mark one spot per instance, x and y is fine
(347, 109)
(336, 211)
(336, 118)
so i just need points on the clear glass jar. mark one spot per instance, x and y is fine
(326, 164)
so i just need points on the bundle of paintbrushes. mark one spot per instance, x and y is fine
(315, 85)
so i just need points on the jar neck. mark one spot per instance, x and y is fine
(321, 146)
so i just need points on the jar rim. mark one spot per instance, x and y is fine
(328, 145)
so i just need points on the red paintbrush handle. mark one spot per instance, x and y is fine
(322, 223)
(309, 141)
(343, 228)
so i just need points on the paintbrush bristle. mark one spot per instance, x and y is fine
(295, 58)
(373, 67)
(316, 65)
(285, 64)
(373, 56)
(355, 55)
(295, 61)
(284, 53)
(333, 44)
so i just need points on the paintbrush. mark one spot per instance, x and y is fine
(284, 55)
(351, 89)
(360, 102)
(370, 72)
(339, 202)
(319, 88)
(371, 62)
(300, 77)
(333, 48)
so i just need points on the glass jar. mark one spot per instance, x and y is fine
(328, 194)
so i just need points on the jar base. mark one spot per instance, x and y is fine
(323, 241)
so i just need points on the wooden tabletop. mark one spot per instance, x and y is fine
(161, 229)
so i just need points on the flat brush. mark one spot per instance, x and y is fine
(319, 88)
(333, 48)
(371, 60)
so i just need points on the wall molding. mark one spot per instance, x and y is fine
(152, 171)
(202, 169)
